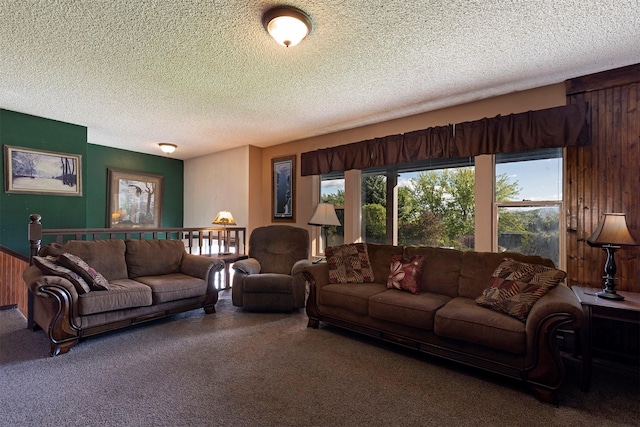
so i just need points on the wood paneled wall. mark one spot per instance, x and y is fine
(605, 175)
(12, 288)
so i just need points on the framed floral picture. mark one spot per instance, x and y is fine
(135, 199)
(283, 197)
(27, 170)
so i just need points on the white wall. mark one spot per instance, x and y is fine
(214, 183)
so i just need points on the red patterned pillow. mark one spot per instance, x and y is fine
(406, 273)
(49, 265)
(516, 286)
(349, 263)
(96, 281)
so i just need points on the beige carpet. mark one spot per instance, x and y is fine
(235, 368)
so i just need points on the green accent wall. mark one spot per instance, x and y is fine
(89, 210)
(101, 158)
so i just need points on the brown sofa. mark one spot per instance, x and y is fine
(444, 318)
(146, 279)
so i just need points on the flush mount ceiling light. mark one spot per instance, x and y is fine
(287, 25)
(168, 148)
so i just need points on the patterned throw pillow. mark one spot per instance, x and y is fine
(49, 265)
(349, 263)
(406, 273)
(95, 280)
(516, 286)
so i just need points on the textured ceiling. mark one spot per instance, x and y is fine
(206, 76)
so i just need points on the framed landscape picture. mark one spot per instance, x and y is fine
(135, 199)
(283, 198)
(27, 170)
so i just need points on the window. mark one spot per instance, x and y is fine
(437, 202)
(374, 206)
(332, 191)
(432, 203)
(528, 203)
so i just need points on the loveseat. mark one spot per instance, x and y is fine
(443, 315)
(85, 287)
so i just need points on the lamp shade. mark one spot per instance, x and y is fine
(287, 25)
(325, 214)
(224, 218)
(612, 230)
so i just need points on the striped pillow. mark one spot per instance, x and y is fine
(516, 286)
(49, 265)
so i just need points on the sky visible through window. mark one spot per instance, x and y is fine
(538, 179)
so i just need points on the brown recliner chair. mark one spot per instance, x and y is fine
(270, 279)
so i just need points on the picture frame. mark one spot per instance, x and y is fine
(34, 171)
(283, 188)
(134, 199)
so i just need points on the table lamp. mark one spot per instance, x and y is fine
(324, 216)
(611, 234)
(224, 218)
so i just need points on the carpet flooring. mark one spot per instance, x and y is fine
(235, 368)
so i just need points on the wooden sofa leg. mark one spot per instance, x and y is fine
(62, 347)
(210, 309)
(545, 395)
(313, 323)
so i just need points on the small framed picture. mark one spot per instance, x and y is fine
(42, 172)
(284, 188)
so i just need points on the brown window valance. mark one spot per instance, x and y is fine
(553, 127)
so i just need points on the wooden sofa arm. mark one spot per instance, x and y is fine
(559, 308)
(204, 268)
(317, 275)
(57, 301)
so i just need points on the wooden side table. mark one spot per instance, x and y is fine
(228, 260)
(595, 307)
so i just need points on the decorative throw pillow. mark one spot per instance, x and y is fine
(516, 286)
(95, 280)
(406, 273)
(49, 265)
(349, 263)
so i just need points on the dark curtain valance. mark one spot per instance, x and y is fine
(549, 128)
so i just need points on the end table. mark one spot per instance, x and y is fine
(595, 307)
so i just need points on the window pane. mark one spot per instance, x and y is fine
(530, 230)
(332, 191)
(374, 207)
(535, 175)
(437, 207)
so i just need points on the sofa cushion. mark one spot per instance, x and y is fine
(106, 256)
(174, 286)
(476, 269)
(380, 258)
(95, 280)
(49, 265)
(406, 273)
(153, 257)
(349, 263)
(407, 309)
(516, 286)
(352, 296)
(463, 319)
(441, 269)
(122, 293)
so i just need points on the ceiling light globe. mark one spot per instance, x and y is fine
(287, 31)
(288, 26)
(167, 148)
